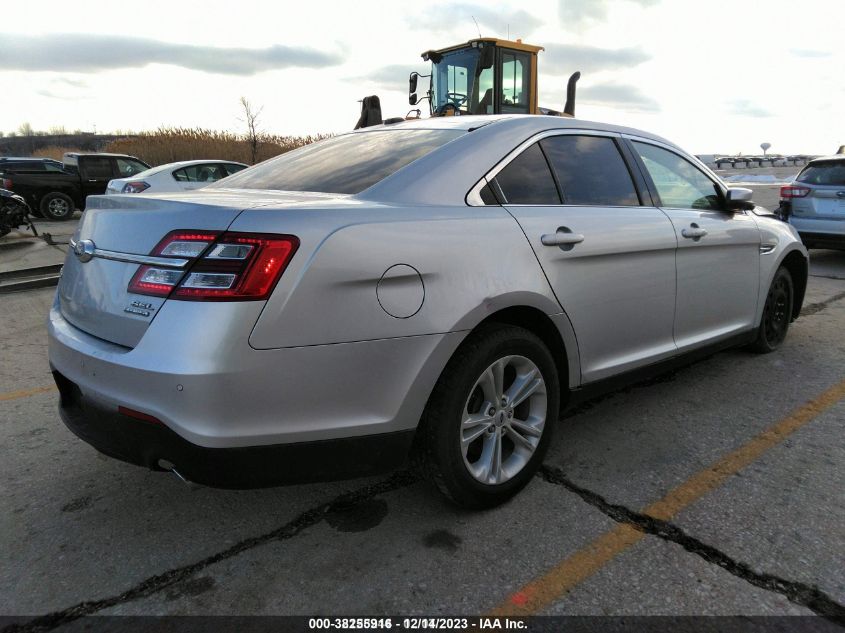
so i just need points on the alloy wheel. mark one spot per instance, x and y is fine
(503, 419)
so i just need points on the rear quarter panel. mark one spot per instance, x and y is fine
(471, 262)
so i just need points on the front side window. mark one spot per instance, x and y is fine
(128, 167)
(590, 171)
(679, 184)
(343, 164)
(527, 179)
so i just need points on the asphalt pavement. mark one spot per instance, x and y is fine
(714, 489)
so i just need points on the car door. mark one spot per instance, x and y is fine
(718, 260)
(95, 173)
(610, 258)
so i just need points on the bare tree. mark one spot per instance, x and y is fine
(25, 129)
(251, 119)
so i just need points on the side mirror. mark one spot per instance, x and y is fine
(412, 88)
(739, 198)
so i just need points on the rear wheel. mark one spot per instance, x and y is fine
(777, 313)
(57, 206)
(489, 420)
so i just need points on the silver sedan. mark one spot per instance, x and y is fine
(436, 289)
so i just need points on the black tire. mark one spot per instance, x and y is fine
(438, 452)
(777, 313)
(57, 206)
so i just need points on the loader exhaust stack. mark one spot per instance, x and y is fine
(569, 108)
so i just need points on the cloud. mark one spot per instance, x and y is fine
(492, 22)
(88, 53)
(395, 77)
(807, 52)
(746, 107)
(575, 13)
(564, 59)
(622, 96)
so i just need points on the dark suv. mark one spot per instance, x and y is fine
(56, 192)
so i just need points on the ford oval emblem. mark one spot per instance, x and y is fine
(84, 250)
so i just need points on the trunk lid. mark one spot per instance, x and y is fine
(93, 295)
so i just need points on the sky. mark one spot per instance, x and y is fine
(714, 76)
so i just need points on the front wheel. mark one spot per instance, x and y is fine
(777, 313)
(57, 206)
(489, 420)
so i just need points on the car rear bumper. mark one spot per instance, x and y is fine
(820, 232)
(228, 395)
(155, 446)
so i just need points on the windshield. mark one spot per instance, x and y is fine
(453, 79)
(342, 164)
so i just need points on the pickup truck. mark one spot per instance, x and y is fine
(57, 192)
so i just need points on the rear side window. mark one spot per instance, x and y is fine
(97, 167)
(200, 173)
(343, 164)
(528, 180)
(824, 173)
(590, 171)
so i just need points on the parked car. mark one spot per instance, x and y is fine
(814, 203)
(182, 176)
(439, 287)
(56, 193)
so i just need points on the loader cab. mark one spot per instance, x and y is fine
(483, 76)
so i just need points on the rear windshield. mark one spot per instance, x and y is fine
(825, 173)
(343, 164)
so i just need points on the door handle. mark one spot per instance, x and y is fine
(561, 238)
(694, 232)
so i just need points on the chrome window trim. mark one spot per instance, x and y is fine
(473, 197)
(131, 258)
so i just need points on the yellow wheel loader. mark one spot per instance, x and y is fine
(484, 76)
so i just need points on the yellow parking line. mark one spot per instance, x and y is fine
(14, 395)
(546, 589)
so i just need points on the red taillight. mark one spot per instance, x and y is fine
(793, 191)
(7, 184)
(229, 267)
(136, 186)
(159, 281)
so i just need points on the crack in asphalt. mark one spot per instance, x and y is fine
(799, 593)
(159, 582)
(815, 308)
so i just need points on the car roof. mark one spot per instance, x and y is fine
(535, 122)
(833, 157)
(458, 164)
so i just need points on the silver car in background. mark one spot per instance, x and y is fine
(438, 289)
(814, 203)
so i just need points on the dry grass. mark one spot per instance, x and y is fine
(55, 152)
(167, 145)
